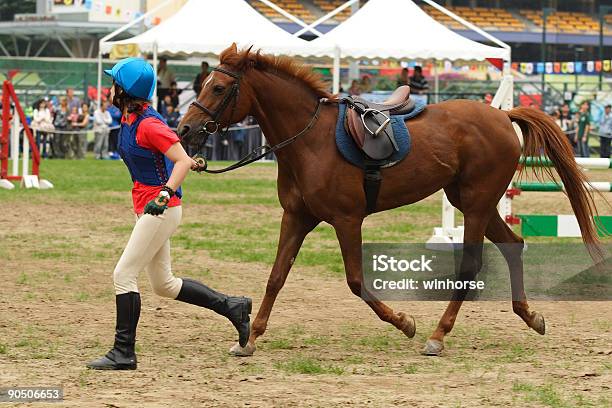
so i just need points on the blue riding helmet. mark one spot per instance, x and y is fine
(135, 76)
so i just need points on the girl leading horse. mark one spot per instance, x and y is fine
(467, 148)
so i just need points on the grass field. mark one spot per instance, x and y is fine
(323, 347)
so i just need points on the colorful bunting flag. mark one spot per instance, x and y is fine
(549, 67)
(590, 66)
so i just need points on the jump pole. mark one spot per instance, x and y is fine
(561, 225)
(536, 225)
(28, 179)
(584, 162)
(602, 186)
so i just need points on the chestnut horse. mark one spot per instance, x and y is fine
(467, 148)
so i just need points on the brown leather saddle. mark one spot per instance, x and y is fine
(368, 122)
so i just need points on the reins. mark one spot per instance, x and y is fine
(258, 152)
(261, 151)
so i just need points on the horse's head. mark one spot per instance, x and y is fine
(225, 99)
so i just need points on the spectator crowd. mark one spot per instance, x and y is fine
(66, 127)
(580, 129)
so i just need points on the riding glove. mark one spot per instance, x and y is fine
(157, 206)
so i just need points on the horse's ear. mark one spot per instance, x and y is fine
(228, 52)
(245, 59)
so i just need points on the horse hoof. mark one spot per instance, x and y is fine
(433, 348)
(245, 351)
(537, 323)
(407, 324)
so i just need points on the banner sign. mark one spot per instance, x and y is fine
(567, 67)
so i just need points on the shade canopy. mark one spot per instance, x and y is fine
(210, 26)
(401, 29)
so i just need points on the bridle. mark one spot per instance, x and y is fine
(231, 96)
(258, 152)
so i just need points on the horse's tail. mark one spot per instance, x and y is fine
(543, 137)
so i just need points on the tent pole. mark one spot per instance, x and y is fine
(309, 27)
(436, 81)
(293, 18)
(336, 71)
(155, 70)
(99, 100)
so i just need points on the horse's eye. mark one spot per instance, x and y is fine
(218, 89)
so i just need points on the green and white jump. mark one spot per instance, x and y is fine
(584, 162)
(603, 186)
(559, 225)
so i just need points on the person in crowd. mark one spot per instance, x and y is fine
(114, 130)
(605, 132)
(200, 78)
(174, 93)
(61, 123)
(158, 165)
(418, 83)
(102, 121)
(403, 78)
(574, 133)
(584, 127)
(366, 85)
(172, 117)
(568, 125)
(355, 89)
(556, 115)
(165, 103)
(165, 77)
(238, 139)
(42, 123)
(73, 101)
(81, 125)
(73, 119)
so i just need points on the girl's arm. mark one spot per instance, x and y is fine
(182, 164)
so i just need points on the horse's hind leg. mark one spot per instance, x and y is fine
(348, 231)
(511, 246)
(294, 228)
(477, 210)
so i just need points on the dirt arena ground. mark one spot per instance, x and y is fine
(323, 348)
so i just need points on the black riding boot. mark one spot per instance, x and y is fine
(122, 355)
(236, 309)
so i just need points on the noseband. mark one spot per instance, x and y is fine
(230, 96)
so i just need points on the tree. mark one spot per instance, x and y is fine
(8, 8)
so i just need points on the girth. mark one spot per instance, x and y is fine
(370, 126)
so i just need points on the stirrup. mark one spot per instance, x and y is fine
(374, 112)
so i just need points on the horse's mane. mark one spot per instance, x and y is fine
(246, 59)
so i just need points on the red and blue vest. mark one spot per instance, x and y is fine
(145, 166)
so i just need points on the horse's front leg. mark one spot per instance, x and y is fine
(348, 231)
(294, 228)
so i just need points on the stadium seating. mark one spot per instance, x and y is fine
(486, 18)
(292, 6)
(327, 6)
(563, 21)
(491, 19)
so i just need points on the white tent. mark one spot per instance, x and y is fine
(401, 29)
(210, 26)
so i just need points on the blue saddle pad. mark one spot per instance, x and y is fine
(354, 155)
